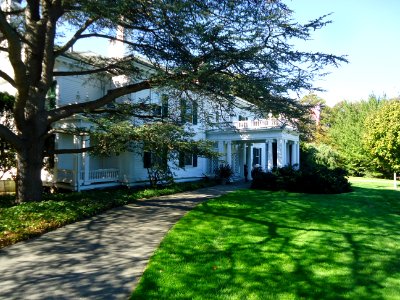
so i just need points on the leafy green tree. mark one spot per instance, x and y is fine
(382, 135)
(345, 132)
(7, 153)
(219, 49)
(310, 125)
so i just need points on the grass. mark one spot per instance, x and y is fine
(27, 220)
(278, 245)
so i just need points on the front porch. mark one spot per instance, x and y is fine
(263, 143)
(69, 179)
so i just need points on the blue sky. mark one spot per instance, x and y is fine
(368, 31)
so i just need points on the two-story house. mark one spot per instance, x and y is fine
(242, 139)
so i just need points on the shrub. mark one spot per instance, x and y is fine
(318, 179)
(224, 172)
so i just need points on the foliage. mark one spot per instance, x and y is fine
(346, 133)
(20, 222)
(7, 152)
(224, 171)
(382, 135)
(320, 154)
(317, 179)
(310, 126)
(277, 245)
(162, 141)
(218, 49)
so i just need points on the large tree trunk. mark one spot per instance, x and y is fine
(29, 183)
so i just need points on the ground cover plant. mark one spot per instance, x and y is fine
(254, 244)
(26, 220)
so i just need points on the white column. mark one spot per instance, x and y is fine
(243, 159)
(279, 150)
(229, 153)
(77, 164)
(221, 152)
(298, 154)
(263, 164)
(285, 153)
(294, 153)
(248, 159)
(270, 155)
(86, 160)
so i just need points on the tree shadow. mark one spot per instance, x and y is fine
(271, 245)
(99, 258)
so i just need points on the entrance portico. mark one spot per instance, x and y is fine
(255, 147)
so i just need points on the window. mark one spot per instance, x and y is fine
(151, 159)
(51, 96)
(187, 159)
(256, 156)
(164, 106)
(189, 112)
(146, 159)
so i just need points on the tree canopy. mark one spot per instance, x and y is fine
(219, 49)
(345, 129)
(382, 135)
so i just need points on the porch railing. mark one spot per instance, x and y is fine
(65, 176)
(258, 123)
(101, 175)
(94, 176)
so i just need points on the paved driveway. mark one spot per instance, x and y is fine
(99, 258)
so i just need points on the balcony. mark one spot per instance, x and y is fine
(262, 124)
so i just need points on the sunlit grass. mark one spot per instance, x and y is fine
(20, 222)
(278, 245)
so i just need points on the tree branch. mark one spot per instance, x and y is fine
(71, 151)
(10, 137)
(69, 110)
(7, 78)
(14, 48)
(75, 37)
(86, 72)
(113, 38)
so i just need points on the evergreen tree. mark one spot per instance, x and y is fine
(218, 49)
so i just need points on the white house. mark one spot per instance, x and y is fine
(242, 139)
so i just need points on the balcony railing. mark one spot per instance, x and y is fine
(261, 123)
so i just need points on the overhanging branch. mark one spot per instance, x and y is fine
(69, 110)
(7, 78)
(10, 136)
(71, 151)
(75, 37)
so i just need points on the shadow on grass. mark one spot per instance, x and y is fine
(278, 245)
(99, 258)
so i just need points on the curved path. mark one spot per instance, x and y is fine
(99, 258)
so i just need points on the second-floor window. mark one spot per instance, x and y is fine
(189, 111)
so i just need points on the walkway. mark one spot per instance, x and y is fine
(99, 258)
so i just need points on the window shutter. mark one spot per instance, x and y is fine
(183, 111)
(146, 159)
(164, 105)
(195, 108)
(181, 159)
(194, 160)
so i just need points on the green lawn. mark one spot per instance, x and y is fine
(276, 245)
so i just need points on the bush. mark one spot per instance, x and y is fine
(316, 180)
(223, 171)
